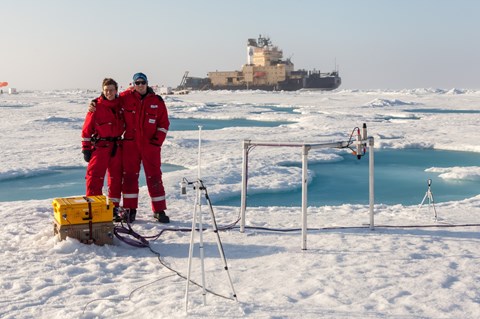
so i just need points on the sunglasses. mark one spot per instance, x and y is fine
(140, 82)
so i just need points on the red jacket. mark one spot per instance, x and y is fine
(106, 122)
(146, 119)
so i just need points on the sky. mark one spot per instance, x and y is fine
(375, 44)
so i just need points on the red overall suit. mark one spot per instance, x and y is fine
(102, 132)
(147, 124)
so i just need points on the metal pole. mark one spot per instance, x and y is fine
(305, 149)
(190, 252)
(201, 246)
(243, 200)
(200, 222)
(199, 152)
(371, 187)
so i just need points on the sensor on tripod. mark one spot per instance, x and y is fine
(183, 187)
(429, 196)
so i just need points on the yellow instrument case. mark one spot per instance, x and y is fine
(82, 210)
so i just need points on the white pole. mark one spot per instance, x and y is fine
(201, 247)
(190, 252)
(243, 200)
(305, 149)
(371, 187)
(199, 151)
(200, 222)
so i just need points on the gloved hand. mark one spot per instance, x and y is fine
(87, 155)
(154, 141)
(92, 106)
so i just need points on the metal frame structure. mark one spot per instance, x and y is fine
(305, 147)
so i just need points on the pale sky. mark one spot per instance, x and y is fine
(377, 44)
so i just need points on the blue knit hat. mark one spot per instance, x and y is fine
(139, 75)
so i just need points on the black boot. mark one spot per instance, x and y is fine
(161, 217)
(117, 214)
(132, 213)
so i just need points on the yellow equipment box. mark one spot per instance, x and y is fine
(82, 210)
(90, 233)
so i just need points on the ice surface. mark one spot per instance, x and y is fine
(412, 270)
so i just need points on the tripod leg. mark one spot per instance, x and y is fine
(190, 253)
(433, 204)
(219, 244)
(201, 248)
(423, 201)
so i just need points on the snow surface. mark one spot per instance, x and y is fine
(408, 267)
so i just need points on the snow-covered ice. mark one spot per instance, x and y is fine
(408, 267)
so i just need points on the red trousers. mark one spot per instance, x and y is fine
(149, 156)
(102, 162)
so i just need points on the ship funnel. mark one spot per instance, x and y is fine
(249, 55)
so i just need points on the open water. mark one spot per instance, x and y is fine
(400, 178)
(192, 124)
(52, 183)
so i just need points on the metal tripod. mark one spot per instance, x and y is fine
(431, 202)
(197, 218)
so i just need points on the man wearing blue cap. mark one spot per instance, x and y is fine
(146, 121)
(147, 124)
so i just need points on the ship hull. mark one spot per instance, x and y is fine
(311, 83)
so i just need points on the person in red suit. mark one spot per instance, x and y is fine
(101, 143)
(147, 124)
